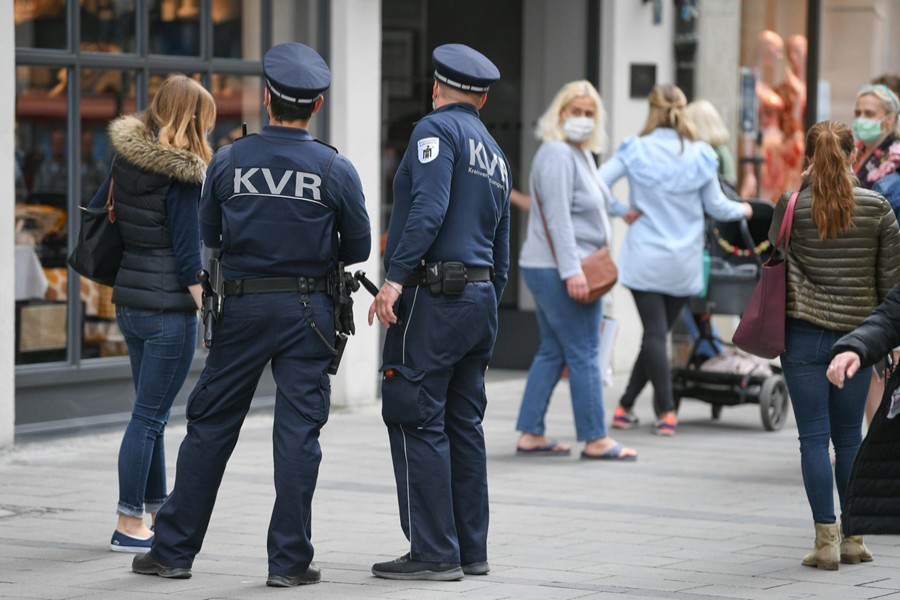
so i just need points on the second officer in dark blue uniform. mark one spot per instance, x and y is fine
(285, 209)
(446, 258)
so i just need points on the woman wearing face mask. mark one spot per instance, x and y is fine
(672, 180)
(877, 129)
(877, 166)
(570, 204)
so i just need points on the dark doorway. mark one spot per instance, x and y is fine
(411, 30)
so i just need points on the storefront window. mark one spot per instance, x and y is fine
(774, 55)
(63, 152)
(175, 27)
(40, 23)
(107, 25)
(238, 101)
(236, 29)
(41, 175)
(105, 94)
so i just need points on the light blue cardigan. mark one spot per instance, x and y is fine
(672, 185)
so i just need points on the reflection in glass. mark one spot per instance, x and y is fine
(105, 94)
(236, 29)
(41, 166)
(175, 27)
(771, 140)
(238, 101)
(40, 23)
(107, 25)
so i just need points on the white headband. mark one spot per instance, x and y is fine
(456, 84)
(289, 98)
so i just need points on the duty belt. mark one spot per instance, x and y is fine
(473, 274)
(269, 285)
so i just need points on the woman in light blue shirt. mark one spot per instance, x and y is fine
(672, 181)
(569, 205)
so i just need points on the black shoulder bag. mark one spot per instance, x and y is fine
(98, 251)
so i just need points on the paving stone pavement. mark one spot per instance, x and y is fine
(716, 512)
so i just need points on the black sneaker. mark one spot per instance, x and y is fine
(312, 575)
(476, 568)
(406, 568)
(146, 564)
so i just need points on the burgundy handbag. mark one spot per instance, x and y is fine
(761, 330)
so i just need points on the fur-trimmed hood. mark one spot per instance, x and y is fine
(131, 140)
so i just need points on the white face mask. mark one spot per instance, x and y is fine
(578, 129)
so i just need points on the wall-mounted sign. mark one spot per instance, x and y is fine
(643, 78)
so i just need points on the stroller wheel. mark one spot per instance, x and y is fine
(716, 411)
(773, 402)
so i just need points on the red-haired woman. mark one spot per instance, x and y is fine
(843, 259)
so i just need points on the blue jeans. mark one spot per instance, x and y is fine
(570, 336)
(823, 412)
(705, 348)
(161, 347)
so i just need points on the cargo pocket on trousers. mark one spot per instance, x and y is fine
(200, 398)
(325, 407)
(400, 389)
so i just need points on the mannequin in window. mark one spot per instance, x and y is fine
(793, 91)
(769, 52)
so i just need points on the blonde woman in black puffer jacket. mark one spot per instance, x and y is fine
(843, 259)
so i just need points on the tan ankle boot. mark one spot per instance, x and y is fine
(854, 551)
(826, 552)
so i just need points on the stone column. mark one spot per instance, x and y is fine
(355, 130)
(718, 60)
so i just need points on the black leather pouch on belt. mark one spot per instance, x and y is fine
(433, 272)
(453, 278)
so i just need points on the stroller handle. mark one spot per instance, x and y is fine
(748, 239)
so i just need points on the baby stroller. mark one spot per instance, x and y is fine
(715, 373)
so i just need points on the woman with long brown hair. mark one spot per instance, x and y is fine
(843, 259)
(159, 165)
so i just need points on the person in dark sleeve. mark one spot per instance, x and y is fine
(870, 500)
(159, 165)
(447, 262)
(285, 209)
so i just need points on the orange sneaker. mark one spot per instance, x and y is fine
(667, 424)
(624, 418)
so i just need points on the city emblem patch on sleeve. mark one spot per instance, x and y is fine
(428, 149)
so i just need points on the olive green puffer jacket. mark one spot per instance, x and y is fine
(835, 283)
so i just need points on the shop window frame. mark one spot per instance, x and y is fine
(141, 63)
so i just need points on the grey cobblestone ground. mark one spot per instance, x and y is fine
(717, 512)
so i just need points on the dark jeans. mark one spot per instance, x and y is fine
(658, 314)
(823, 412)
(161, 347)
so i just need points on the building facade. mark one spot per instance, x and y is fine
(77, 64)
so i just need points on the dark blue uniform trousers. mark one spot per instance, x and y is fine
(253, 330)
(433, 404)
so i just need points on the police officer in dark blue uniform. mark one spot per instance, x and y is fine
(284, 208)
(446, 258)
